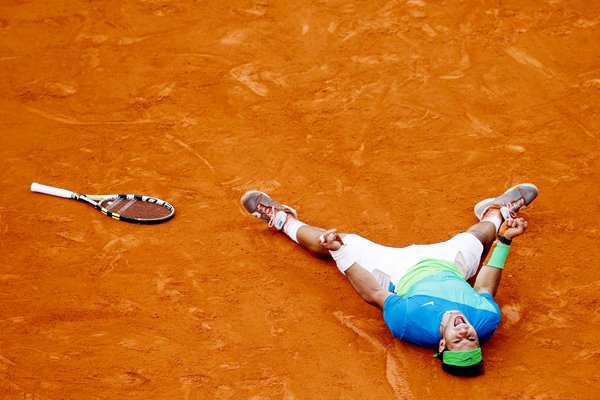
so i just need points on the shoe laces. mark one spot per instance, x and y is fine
(271, 216)
(270, 211)
(511, 208)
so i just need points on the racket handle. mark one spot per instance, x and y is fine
(54, 191)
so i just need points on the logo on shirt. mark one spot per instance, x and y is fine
(429, 303)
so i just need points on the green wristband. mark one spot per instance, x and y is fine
(498, 256)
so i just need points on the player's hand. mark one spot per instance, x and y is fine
(331, 240)
(513, 227)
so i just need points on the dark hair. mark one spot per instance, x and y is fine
(471, 370)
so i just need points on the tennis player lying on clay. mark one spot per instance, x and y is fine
(422, 289)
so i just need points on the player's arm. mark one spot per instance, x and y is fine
(490, 275)
(488, 280)
(361, 280)
(366, 286)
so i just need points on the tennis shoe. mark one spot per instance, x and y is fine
(510, 202)
(261, 206)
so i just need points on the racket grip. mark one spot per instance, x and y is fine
(54, 191)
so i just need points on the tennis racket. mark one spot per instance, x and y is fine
(122, 207)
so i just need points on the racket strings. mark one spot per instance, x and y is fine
(133, 208)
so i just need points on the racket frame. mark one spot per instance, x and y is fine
(95, 200)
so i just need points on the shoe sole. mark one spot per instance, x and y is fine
(529, 186)
(258, 214)
(253, 194)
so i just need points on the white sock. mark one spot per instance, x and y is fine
(495, 217)
(291, 227)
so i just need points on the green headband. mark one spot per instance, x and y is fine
(461, 358)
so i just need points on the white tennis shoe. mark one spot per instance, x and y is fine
(510, 202)
(260, 205)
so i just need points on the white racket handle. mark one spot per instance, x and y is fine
(54, 191)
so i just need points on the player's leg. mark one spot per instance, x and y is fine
(285, 219)
(309, 237)
(497, 210)
(469, 249)
(491, 213)
(485, 231)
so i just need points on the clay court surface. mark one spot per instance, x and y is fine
(390, 119)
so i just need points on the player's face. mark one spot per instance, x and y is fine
(457, 333)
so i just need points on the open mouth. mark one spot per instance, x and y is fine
(459, 320)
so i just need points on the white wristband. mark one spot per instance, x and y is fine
(343, 258)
